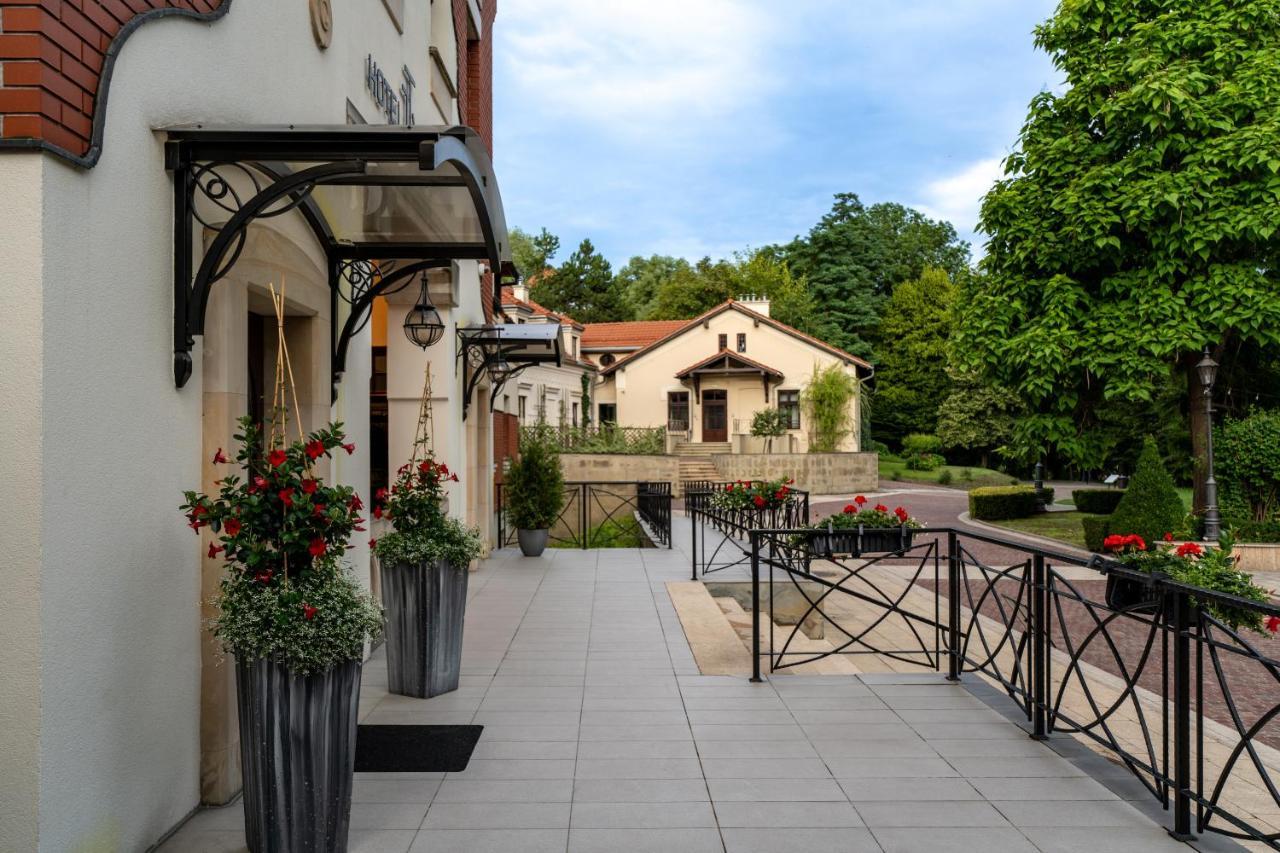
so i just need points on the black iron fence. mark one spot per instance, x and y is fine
(1139, 665)
(602, 515)
(730, 548)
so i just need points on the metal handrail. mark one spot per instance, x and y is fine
(650, 501)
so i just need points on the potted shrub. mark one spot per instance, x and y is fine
(858, 530)
(424, 564)
(1189, 563)
(297, 624)
(534, 489)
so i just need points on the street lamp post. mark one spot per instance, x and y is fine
(1208, 370)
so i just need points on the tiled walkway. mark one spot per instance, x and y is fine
(600, 735)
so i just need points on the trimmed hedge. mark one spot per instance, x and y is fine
(1096, 529)
(995, 503)
(1097, 501)
(1151, 506)
(1046, 496)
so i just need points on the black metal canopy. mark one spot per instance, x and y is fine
(516, 346)
(384, 203)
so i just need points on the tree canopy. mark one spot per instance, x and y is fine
(533, 253)
(1136, 221)
(642, 278)
(583, 287)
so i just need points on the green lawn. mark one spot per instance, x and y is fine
(962, 477)
(1062, 526)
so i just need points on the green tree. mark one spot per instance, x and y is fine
(855, 256)
(693, 290)
(976, 417)
(911, 375)
(1136, 222)
(1151, 506)
(827, 400)
(532, 253)
(642, 278)
(583, 287)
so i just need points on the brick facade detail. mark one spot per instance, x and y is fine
(55, 66)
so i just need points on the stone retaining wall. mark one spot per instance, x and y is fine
(620, 468)
(816, 473)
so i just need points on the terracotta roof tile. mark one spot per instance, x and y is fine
(509, 298)
(639, 333)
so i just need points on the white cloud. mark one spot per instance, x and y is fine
(628, 65)
(957, 198)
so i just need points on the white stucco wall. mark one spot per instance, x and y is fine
(118, 573)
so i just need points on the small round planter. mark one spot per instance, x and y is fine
(855, 542)
(532, 542)
(424, 604)
(297, 755)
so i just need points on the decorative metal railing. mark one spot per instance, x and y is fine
(1188, 704)
(731, 548)
(598, 514)
(603, 438)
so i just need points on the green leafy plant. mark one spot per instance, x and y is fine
(996, 503)
(1210, 569)
(424, 533)
(1096, 529)
(534, 485)
(1248, 467)
(1151, 506)
(945, 478)
(281, 532)
(754, 494)
(769, 424)
(921, 442)
(924, 462)
(1097, 501)
(858, 514)
(827, 399)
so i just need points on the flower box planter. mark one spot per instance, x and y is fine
(297, 755)
(424, 604)
(1131, 595)
(858, 541)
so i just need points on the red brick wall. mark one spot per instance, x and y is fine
(55, 64)
(506, 441)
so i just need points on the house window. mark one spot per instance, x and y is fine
(608, 413)
(523, 404)
(607, 359)
(724, 342)
(678, 411)
(789, 404)
(742, 342)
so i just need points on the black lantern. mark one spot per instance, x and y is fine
(422, 325)
(1208, 370)
(499, 370)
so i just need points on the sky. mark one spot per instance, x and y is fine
(703, 127)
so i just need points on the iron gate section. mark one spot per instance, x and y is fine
(589, 506)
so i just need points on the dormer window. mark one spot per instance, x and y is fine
(607, 359)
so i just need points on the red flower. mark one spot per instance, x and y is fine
(453, 477)
(218, 458)
(356, 503)
(424, 466)
(214, 550)
(309, 486)
(373, 542)
(231, 526)
(1168, 537)
(1136, 541)
(850, 509)
(314, 449)
(1273, 624)
(318, 546)
(260, 482)
(286, 496)
(350, 448)
(319, 510)
(881, 508)
(308, 612)
(264, 577)
(277, 457)
(728, 488)
(377, 512)
(380, 495)
(902, 514)
(758, 501)
(444, 469)
(1189, 549)
(859, 500)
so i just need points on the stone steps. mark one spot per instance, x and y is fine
(702, 449)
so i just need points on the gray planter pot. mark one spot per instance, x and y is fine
(297, 754)
(424, 605)
(532, 542)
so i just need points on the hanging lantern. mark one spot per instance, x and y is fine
(499, 370)
(422, 325)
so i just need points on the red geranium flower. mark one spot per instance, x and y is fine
(1168, 537)
(1189, 549)
(1114, 542)
(350, 448)
(309, 486)
(850, 509)
(1136, 541)
(759, 501)
(860, 500)
(308, 612)
(277, 457)
(881, 508)
(215, 550)
(286, 496)
(218, 458)
(1273, 624)
(318, 546)
(231, 526)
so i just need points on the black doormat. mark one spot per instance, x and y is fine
(415, 749)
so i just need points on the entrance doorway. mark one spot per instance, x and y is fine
(715, 416)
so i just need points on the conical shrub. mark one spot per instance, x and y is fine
(1151, 506)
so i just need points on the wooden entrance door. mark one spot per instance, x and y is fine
(715, 416)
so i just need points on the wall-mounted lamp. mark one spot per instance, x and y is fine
(422, 325)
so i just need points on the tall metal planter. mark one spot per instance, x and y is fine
(297, 754)
(424, 604)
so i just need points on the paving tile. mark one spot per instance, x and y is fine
(799, 815)
(758, 749)
(1104, 840)
(775, 790)
(486, 816)
(953, 840)
(638, 768)
(922, 790)
(524, 749)
(741, 732)
(640, 791)
(680, 732)
(1085, 813)
(1012, 768)
(394, 790)
(205, 841)
(768, 768)
(387, 815)
(904, 748)
(490, 841)
(642, 815)
(637, 749)
(1023, 746)
(644, 841)
(1042, 789)
(380, 840)
(517, 768)
(539, 791)
(809, 840)
(911, 813)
